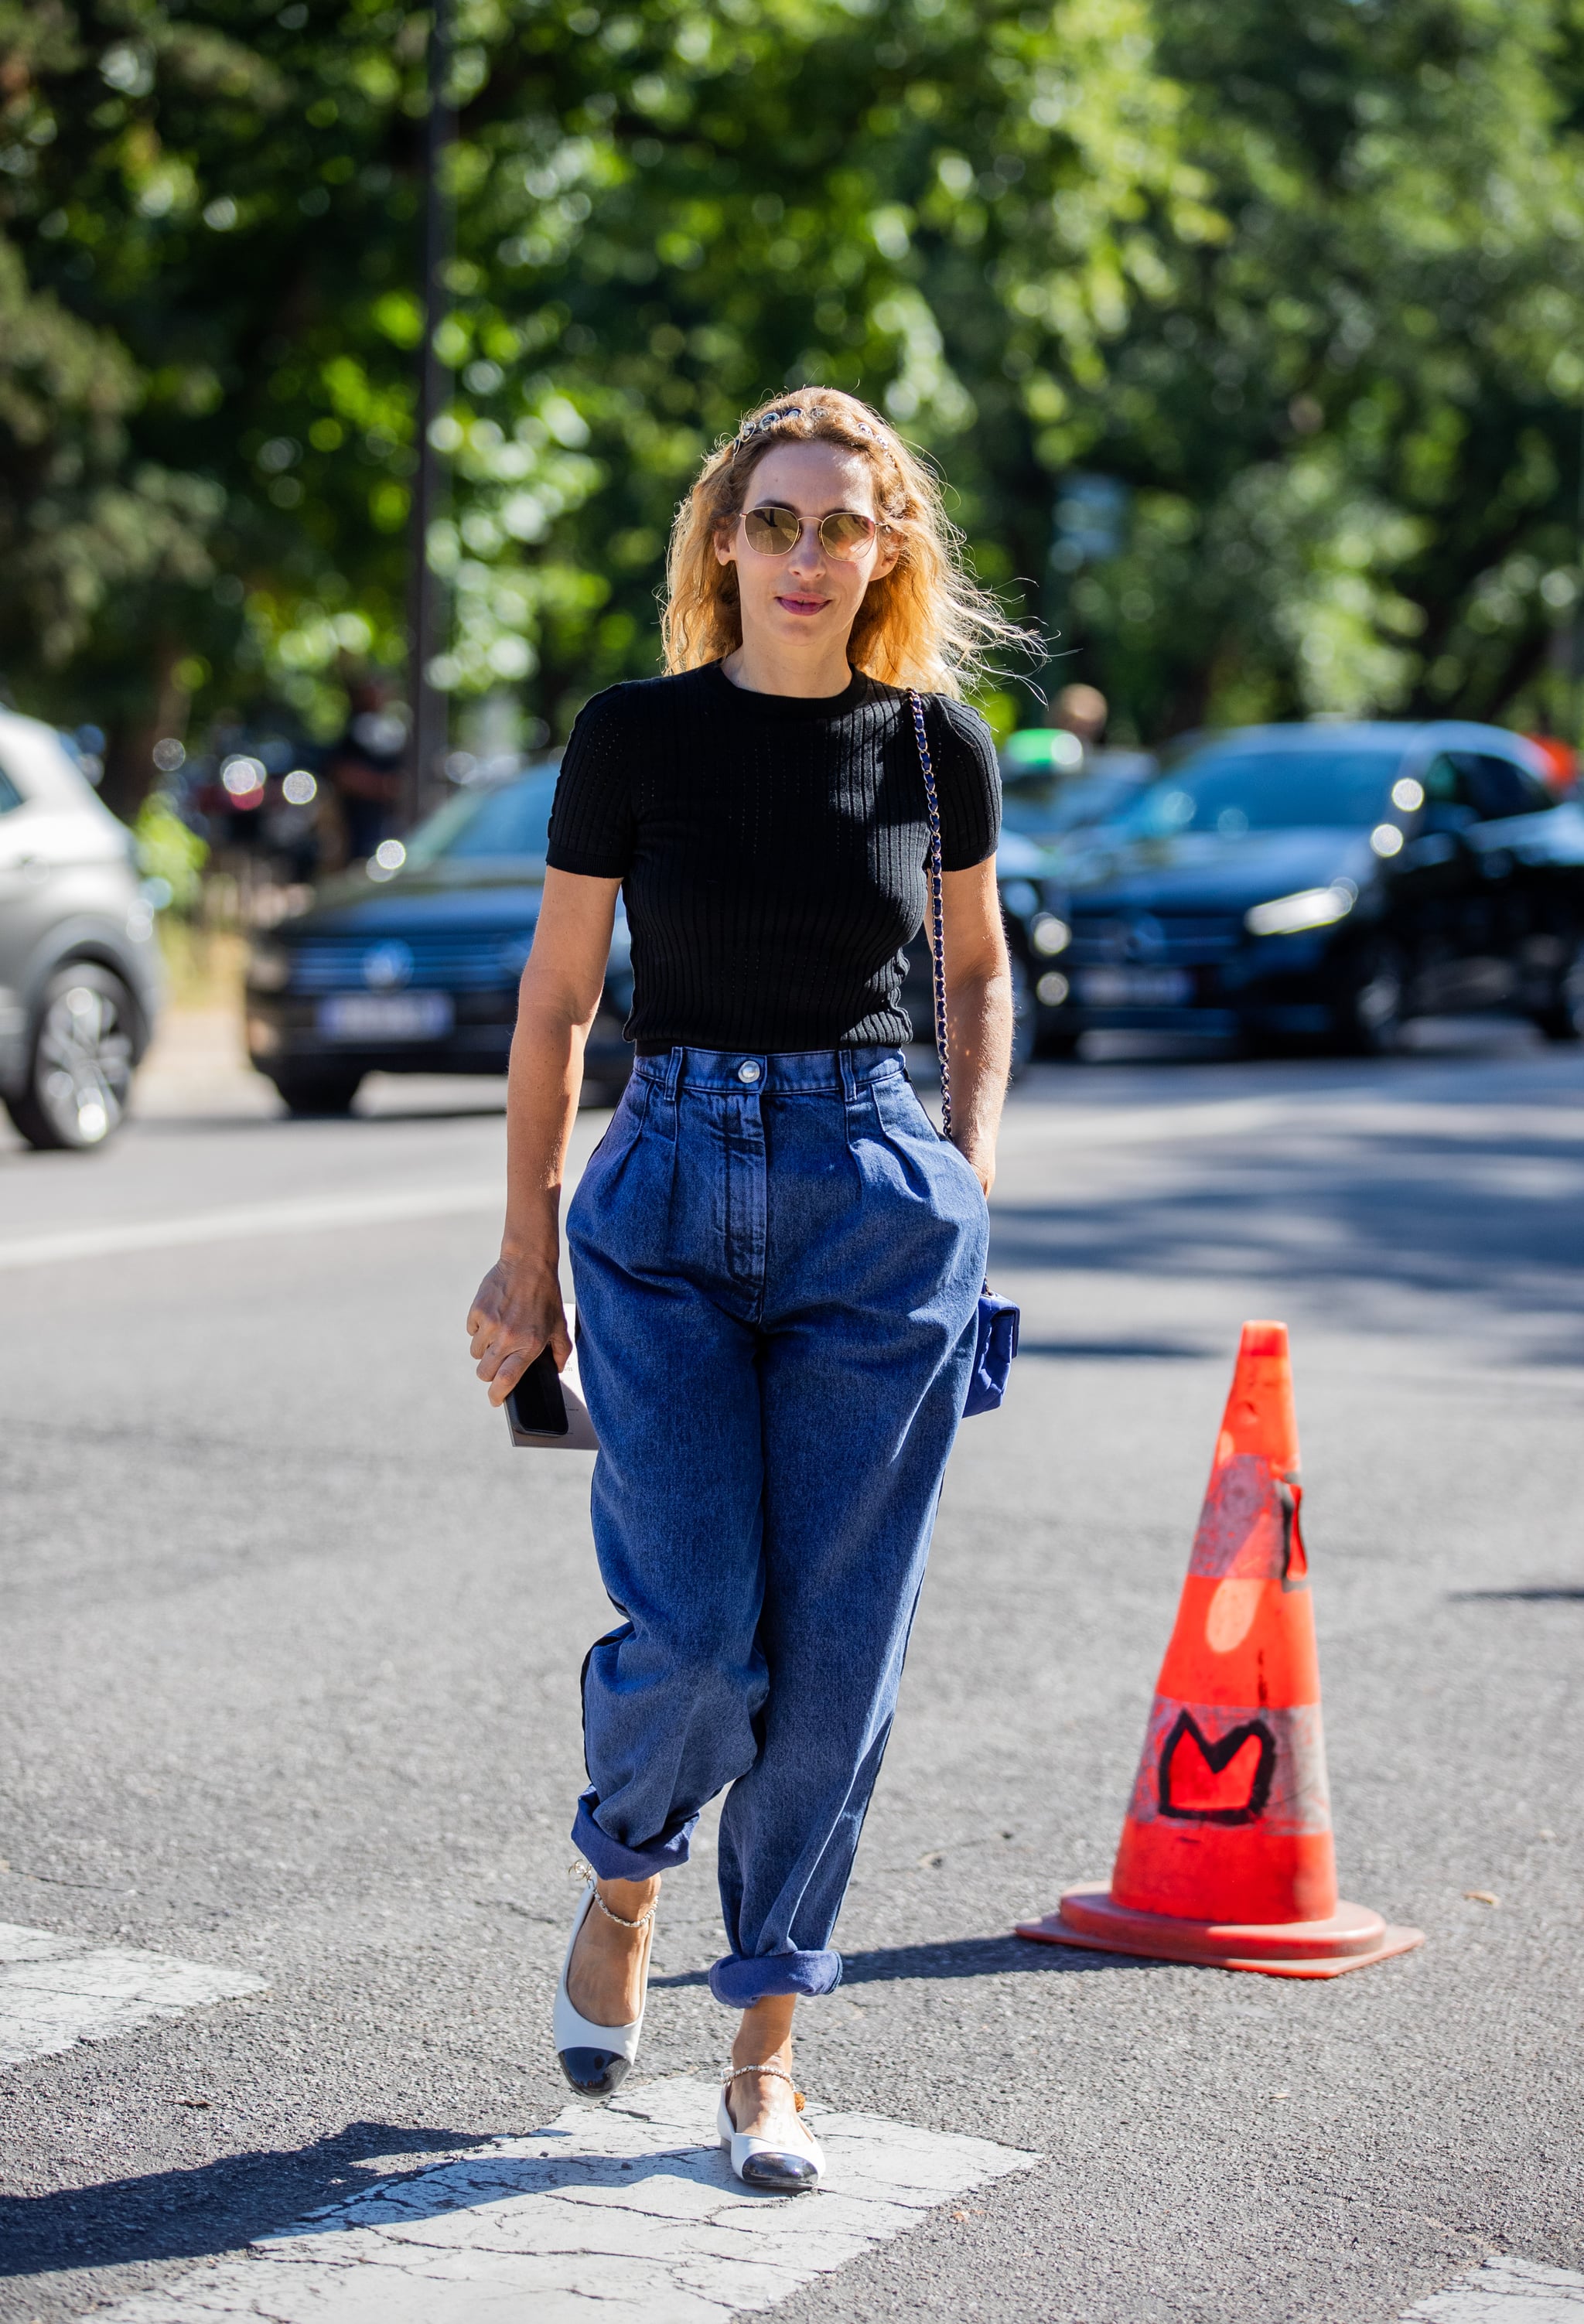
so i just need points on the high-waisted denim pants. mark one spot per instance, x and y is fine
(777, 1265)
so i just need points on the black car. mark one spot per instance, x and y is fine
(1051, 785)
(1317, 885)
(414, 968)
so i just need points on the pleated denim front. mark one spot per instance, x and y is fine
(777, 1265)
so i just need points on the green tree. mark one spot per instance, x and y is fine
(1309, 288)
(662, 212)
(1352, 417)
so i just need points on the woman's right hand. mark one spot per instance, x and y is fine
(516, 1311)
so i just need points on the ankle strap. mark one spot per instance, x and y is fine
(777, 2073)
(581, 1872)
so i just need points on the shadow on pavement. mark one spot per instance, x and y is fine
(1113, 1352)
(1558, 1594)
(961, 1957)
(1492, 1214)
(980, 1957)
(192, 2214)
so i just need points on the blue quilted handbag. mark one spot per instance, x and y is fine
(996, 1343)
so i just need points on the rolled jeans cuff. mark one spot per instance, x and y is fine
(740, 1982)
(612, 1859)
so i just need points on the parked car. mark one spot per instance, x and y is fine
(1051, 785)
(1020, 867)
(1320, 885)
(413, 967)
(80, 982)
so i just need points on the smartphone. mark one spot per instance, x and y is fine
(536, 1406)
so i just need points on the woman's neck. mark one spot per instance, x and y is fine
(760, 668)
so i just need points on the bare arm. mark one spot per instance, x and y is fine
(518, 1310)
(978, 1012)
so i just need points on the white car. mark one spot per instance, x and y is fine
(79, 981)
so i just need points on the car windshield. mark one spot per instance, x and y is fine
(1042, 805)
(1233, 791)
(508, 821)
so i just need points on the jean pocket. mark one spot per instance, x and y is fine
(906, 1124)
(621, 1136)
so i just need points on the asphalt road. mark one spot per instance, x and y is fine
(293, 1638)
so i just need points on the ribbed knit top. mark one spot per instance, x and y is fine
(772, 850)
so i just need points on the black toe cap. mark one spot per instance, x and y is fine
(594, 2073)
(780, 2174)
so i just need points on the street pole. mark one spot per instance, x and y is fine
(426, 703)
(1577, 737)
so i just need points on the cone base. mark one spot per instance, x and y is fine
(1352, 1937)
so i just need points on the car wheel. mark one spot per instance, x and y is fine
(79, 1077)
(1563, 1017)
(310, 1094)
(1369, 1016)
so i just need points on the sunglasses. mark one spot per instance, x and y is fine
(777, 532)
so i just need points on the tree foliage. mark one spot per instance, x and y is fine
(1307, 284)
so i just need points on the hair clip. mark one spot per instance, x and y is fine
(792, 411)
(767, 419)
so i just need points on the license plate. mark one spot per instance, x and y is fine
(1134, 988)
(386, 1016)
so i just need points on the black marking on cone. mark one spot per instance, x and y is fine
(1289, 1493)
(1217, 1756)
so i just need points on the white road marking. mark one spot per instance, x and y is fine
(1118, 1125)
(305, 1214)
(624, 2215)
(1347, 1112)
(55, 1991)
(1505, 2291)
(1141, 1125)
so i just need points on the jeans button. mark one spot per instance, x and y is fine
(747, 1071)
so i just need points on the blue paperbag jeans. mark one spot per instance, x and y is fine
(778, 1266)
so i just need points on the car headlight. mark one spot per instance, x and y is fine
(1310, 907)
(1049, 935)
(269, 968)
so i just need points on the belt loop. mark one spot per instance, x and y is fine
(852, 1087)
(673, 1073)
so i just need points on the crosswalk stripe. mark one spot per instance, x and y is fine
(56, 1991)
(1502, 2290)
(627, 2214)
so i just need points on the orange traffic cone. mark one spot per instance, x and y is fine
(1226, 1854)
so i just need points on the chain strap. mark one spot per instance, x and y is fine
(581, 1871)
(779, 2073)
(937, 906)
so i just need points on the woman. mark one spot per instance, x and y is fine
(776, 1261)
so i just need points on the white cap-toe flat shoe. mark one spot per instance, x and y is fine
(776, 2166)
(595, 2059)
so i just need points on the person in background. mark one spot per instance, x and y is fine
(364, 768)
(1084, 710)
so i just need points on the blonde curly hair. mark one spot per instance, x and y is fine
(926, 624)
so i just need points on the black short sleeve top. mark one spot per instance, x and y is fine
(772, 851)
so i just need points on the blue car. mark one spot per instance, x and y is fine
(1316, 886)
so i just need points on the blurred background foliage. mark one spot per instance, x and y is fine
(1248, 333)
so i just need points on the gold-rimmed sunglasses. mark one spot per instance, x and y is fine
(776, 531)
